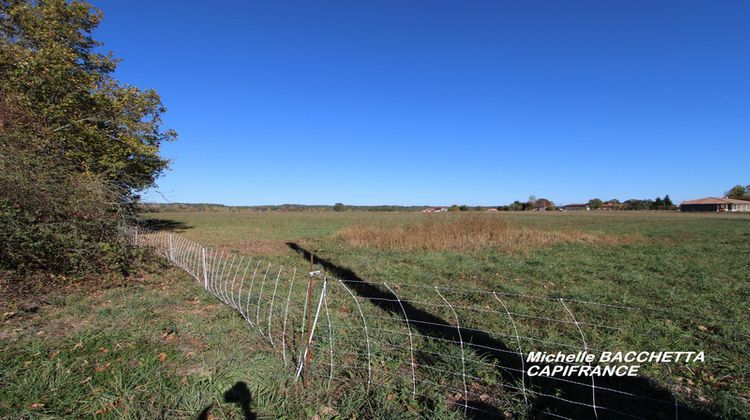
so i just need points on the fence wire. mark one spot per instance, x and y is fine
(461, 347)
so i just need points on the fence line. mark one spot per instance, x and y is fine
(437, 342)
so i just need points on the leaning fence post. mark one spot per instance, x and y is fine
(205, 269)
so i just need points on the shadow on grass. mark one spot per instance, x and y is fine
(633, 396)
(164, 224)
(238, 394)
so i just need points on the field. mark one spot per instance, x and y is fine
(162, 347)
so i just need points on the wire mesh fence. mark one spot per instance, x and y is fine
(465, 348)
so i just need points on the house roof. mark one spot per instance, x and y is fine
(716, 200)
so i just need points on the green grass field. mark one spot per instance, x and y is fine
(163, 347)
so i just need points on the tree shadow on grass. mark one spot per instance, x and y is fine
(164, 224)
(624, 397)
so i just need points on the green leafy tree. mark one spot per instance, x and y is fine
(635, 204)
(595, 203)
(516, 206)
(339, 207)
(59, 91)
(76, 145)
(739, 192)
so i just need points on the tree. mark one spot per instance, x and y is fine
(739, 192)
(668, 205)
(339, 207)
(595, 203)
(544, 203)
(635, 204)
(76, 145)
(516, 206)
(57, 86)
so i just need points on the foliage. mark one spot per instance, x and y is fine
(339, 207)
(53, 220)
(636, 204)
(595, 203)
(75, 144)
(516, 206)
(544, 203)
(739, 192)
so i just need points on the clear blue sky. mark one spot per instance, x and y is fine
(442, 102)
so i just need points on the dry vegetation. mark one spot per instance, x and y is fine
(472, 233)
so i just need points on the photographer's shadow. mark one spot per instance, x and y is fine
(238, 394)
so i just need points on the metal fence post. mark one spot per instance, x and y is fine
(205, 269)
(171, 252)
(308, 354)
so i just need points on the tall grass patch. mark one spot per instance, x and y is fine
(468, 233)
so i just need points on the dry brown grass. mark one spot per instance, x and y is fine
(470, 233)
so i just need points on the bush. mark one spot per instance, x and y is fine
(57, 219)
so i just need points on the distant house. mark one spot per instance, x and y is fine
(491, 210)
(714, 204)
(572, 207)
(435, 210)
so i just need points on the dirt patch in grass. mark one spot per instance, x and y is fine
(470, 234)
(67, 325)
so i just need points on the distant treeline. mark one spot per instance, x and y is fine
(530, 205)
(537, 204)
(189, 207)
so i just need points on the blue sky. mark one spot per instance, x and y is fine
(442, 102)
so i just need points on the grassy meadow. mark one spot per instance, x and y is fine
(162, 347)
